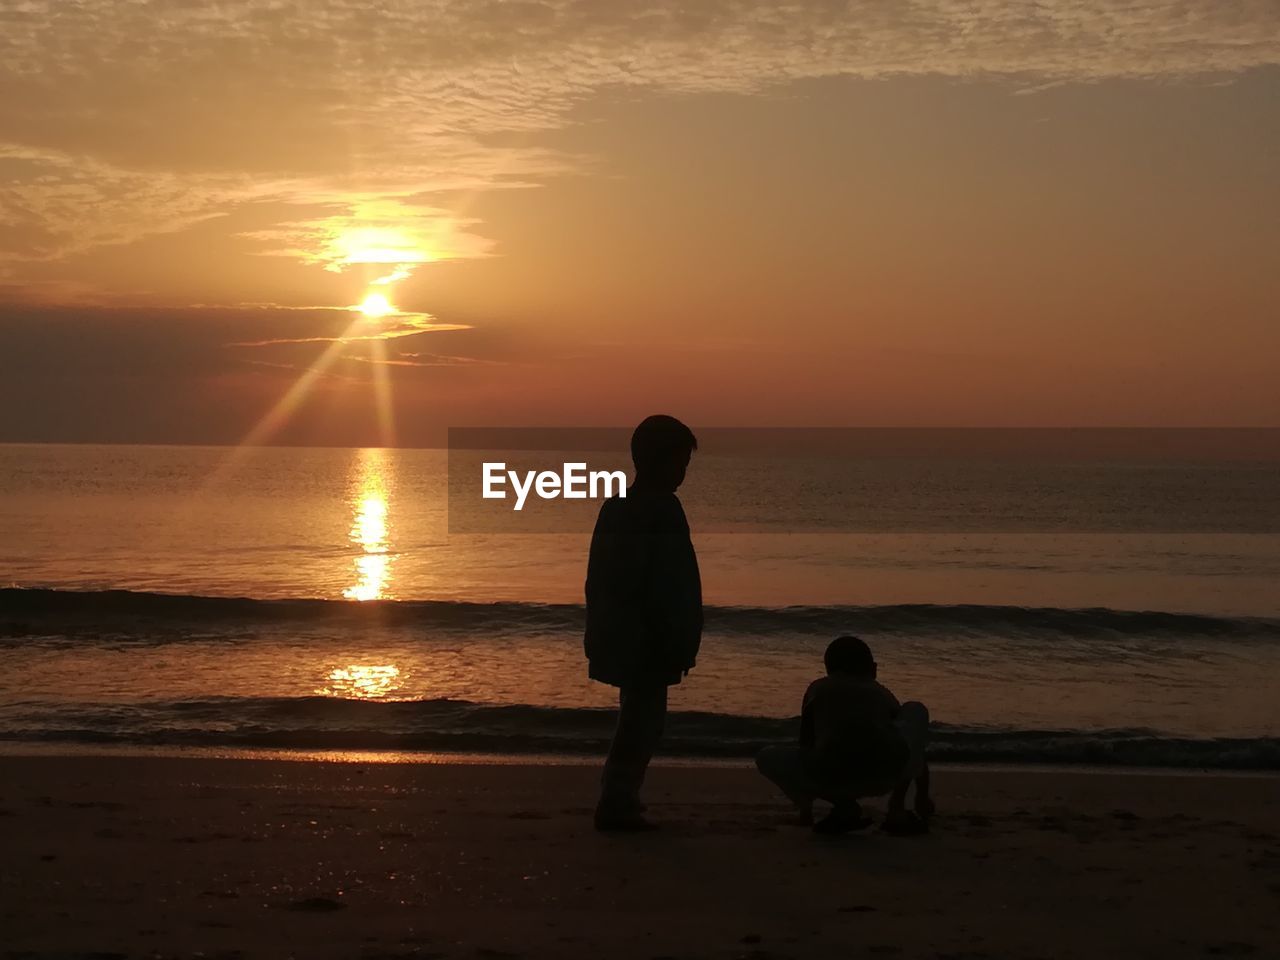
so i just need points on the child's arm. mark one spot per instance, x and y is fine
(808, 728)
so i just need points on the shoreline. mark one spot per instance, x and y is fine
(37, 749)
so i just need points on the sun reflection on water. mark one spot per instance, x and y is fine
(370, 527)
(362, 681)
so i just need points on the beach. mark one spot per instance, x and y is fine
(445, 446)
(153, 856)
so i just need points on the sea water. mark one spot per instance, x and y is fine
(1108, 610)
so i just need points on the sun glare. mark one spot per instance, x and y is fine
(370, 527)
(375, 305)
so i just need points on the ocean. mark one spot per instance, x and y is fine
(1119, 608)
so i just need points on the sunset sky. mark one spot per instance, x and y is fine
(740, 212)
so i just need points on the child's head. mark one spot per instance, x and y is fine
(660, 448)
(850, 657)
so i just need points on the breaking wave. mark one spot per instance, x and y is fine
(40, 611)
(320, 723)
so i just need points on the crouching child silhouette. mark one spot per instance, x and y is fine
(644, 610)
(856, 741)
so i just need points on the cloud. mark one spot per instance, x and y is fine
(427, 360)
(124, 119)
(53, 203)
(394, 327)
(394, 234)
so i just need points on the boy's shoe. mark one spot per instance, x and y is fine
(611, 821)
(842, 819)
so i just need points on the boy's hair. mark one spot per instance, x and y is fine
(850, 655)
(658, 439)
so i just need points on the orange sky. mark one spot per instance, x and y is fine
(584, 212)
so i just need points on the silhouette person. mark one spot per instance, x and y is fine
(856, 741)
(644, 610)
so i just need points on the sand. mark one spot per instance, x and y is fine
(159, 857)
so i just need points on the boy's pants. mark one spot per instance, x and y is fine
(642, 713)
(785, 765)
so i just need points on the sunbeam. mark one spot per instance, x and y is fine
(382, 392)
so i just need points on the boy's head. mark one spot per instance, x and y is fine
(660, 448)
(850, 657)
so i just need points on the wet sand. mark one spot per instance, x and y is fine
(155, 857)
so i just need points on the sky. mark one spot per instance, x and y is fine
(873, 213)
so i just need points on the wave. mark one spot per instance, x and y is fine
(37, 611)
(323, 723)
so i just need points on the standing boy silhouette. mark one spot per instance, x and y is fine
(644, 610)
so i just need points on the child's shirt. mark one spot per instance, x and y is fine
(847, 730)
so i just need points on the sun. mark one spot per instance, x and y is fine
(375, 305)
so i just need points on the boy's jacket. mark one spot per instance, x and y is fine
(644, 593)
